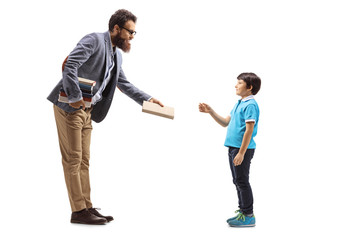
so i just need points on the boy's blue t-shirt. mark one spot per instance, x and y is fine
(245, 110)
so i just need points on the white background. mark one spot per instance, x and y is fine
(170, 179)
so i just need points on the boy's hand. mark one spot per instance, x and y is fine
(238, 159)
(203, 107)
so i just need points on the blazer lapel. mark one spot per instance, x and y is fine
(108, 52)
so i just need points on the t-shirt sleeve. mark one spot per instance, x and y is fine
(250, 113)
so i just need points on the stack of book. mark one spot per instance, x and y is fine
(86, 87)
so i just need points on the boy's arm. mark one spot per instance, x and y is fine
(203, 107)
(245, 143)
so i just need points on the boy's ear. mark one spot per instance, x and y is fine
(250, 87)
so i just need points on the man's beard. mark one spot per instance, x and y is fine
(121, 43)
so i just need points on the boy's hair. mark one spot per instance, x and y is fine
(251, 80)
(120, 17)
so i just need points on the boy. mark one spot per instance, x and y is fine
(242, 128)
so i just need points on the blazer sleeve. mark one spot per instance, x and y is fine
(130, 90)
(81, 53)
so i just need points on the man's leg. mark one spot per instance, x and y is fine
(84, 168)
(69, 126)
(74, 130)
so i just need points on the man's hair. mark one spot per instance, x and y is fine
(251, 80)
(120, 17)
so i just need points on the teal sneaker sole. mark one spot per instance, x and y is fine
(242, 226)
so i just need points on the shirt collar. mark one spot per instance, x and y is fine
(111, 48)
(247, 98)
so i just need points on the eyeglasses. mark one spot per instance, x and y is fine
(130, 31)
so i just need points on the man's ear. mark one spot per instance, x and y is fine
(116, 28)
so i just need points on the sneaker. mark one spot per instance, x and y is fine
(233, 218)
(242, 221)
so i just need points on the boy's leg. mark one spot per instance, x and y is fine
(232, 153)
(69, 126)
(241, 180)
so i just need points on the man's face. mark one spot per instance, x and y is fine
(124, 36)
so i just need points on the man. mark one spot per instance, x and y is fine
(96, 58)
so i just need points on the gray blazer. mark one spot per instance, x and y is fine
(90, 59)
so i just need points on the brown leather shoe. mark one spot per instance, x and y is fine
(86, 217)
(96, 213)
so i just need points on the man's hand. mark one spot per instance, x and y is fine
(154, 100)
(238, 159)
(78, 104)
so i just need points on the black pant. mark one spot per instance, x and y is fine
(240, 176)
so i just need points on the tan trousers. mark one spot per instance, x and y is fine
(74, 131)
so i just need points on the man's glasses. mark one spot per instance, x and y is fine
(130, 31)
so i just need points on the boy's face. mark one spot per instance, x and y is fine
(241, 89)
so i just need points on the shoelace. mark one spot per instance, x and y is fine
(95, 210)
(241, 216)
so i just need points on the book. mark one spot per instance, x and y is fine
(86, 97)
(86, 81)
(64, 99)
(156, 109)
(86, 87)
